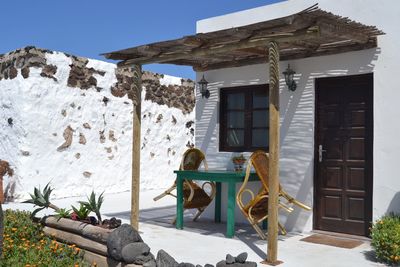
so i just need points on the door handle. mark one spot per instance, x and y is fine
(320, 151)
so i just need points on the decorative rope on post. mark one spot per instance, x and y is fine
(136, 95)
(272, 250)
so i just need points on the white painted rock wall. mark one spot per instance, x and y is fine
(41, 109)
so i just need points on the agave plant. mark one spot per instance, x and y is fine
(63, 213)
(94, 205)
(82, 213)
(41, 199)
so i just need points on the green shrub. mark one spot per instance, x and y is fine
(385, 234)
(26, 245)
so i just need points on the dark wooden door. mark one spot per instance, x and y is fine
(343, 154)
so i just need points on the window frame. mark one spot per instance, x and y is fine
(248, 117)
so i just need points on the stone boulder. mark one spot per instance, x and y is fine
(119, 238)
(238, 261)
(165, 260)
(137, 253)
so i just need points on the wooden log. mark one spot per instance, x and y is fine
(81, 242)
(136, 89)
(273, 180)
(102, 261)
(86, 230)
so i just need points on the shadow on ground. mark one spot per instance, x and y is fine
(163, 216)
(370, 255)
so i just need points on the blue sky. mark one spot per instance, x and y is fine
(90, 27)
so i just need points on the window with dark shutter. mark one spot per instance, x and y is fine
(244, 118)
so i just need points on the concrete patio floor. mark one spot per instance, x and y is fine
(204, 242)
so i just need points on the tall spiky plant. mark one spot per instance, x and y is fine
(41, 199)
(94, 205)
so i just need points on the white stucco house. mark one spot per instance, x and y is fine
(338, 130)
(367, 75)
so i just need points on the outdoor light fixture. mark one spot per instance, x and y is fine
(203, 88)
(289, 74)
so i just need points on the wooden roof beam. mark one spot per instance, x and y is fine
(149, 50)
(305, 34)
(286, 56)
(306, 45)
(192, 41)
(230, 64)
(255, 50)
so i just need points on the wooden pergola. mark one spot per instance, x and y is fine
(311, 32)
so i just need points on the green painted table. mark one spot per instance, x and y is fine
(217, 176)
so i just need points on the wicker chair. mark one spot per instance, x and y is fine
(194, 196)
(256, 209)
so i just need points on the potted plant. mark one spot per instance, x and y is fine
(41, 199)
(238, 162)
(76, 227)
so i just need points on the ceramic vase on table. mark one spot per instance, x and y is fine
(238, 166)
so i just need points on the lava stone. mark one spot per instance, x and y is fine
(131, 251)
(119, 238)
(241, 258)
(165, 260)
(230, 259)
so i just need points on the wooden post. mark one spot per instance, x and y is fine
(1, 190)
(5, 169)
(135, 95)
(273, 180)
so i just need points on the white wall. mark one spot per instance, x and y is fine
(35, 104)
(297, 108)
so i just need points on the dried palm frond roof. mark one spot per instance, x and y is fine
(311, 32)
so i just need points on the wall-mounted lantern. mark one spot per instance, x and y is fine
(289, 74)
(203, 88)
